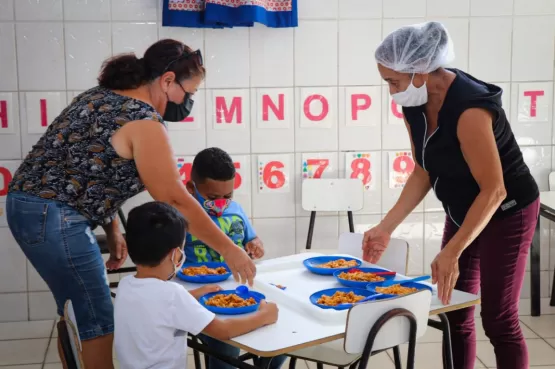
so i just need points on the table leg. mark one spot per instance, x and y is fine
(535, 271)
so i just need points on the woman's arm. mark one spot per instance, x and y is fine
(147, 142)
(475, 133)
(416, 188)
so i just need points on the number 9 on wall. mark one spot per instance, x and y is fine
(273, 173)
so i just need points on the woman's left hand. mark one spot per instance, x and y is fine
(118, 250)
(445, 271)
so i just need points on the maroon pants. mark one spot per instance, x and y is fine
(494, 264)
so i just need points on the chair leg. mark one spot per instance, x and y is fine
(292, 362)
(196, 356)
(310, 230)
(447, 347)
(397, 358)
(206, 361)
(319, 366)
(351, 221)
(552, 301)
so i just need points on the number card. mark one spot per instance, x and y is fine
(42, 108)
(401, 166)
(242, 170)
(317, 165)
(184, 165)
(7, 170)
(359, 165)
(7, 121)
(273, 173)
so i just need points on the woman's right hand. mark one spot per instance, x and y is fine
(374, 244)
(240, 264)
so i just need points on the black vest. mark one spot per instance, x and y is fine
(441, 156)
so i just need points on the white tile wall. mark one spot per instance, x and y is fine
(275, 78)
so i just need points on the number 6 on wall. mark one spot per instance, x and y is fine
(273, 173)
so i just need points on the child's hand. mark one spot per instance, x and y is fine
(269, 311)
(199, 292)
(255, 248)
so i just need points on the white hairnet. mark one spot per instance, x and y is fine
(420, 48)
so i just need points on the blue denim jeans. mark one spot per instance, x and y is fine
(228, 350)
(59, 243)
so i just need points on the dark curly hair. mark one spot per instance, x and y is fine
(126, 71)
(213, 163)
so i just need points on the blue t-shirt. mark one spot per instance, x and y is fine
(234, 223)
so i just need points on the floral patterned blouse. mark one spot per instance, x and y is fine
(74, 161)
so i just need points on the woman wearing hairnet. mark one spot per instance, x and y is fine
(466, 151)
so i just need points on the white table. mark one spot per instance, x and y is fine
(295, 329)
(547, 210)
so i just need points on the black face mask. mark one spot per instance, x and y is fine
(178, 112)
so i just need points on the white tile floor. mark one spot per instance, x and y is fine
(32, 345)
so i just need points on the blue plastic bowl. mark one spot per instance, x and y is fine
(356, 284)
(372, 288)
(204, 278)
(329, 292)
(312, 264)
(232, 311)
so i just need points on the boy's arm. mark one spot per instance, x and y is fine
(250, 234)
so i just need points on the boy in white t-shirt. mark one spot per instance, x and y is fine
(153, 314)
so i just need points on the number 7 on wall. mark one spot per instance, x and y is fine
(320, 164)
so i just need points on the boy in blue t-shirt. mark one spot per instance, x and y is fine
(212, 181)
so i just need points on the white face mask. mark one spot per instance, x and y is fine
(177, 267)
(412, 96)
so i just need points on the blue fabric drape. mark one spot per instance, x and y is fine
(229, 13)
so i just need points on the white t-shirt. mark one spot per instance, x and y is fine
(152, 318)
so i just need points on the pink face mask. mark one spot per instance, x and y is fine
(216, 207)
(213, 207)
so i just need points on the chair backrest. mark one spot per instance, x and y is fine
(551, 181)
(332, 194)
(73, 333)
(395, 257)
(65, 341)
(362, 317)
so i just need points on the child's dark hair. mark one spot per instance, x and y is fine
(126, 71)
(153, 230)
(213, 163)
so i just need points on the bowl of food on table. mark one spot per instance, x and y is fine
(341, 298)
(360, 277)
(232, 302)
(327, 265)
(211, 272)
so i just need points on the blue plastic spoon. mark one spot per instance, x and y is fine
(242, 291)
(368, 298)
(394, 282)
